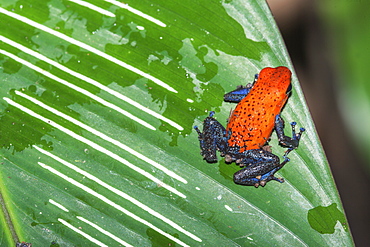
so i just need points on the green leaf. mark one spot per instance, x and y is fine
(97, 116)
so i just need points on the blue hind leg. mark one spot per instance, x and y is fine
(262, 165)
(212, 138)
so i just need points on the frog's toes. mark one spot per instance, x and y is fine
(198, 131)
(240, 162)
(299, 134)
(280, 180)
(262, 183)
(296, 136)
(267, 148)
(228, 158)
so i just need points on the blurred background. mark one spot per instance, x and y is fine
(329, 43)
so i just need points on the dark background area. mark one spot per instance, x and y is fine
(308, 44)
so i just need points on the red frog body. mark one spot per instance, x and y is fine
(250, 126)
(253, 120)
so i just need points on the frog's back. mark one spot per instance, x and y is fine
(252, 122)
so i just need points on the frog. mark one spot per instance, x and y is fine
(245, 140)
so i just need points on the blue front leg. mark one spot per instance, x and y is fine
(240, 92)
(286, 141)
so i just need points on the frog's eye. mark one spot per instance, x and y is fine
(250, 85)
(255, 78)
(289, 89)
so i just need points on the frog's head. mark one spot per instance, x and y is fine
(278, 78)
